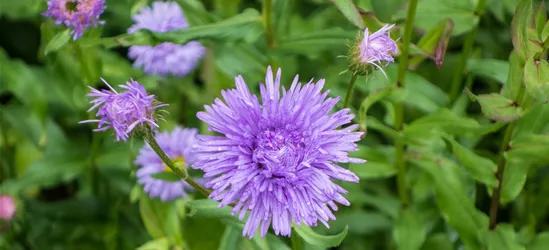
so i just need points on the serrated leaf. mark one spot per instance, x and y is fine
(373, 170)
(349, 10)
(313, 238)
(480, 168)
(536, 79)
(58, 41)
(503, 238)
(409, 232)
(498, 107)
(168, 176)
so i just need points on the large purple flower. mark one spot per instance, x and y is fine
(76, 14)
(376, 49)
(166, 57)
(277, 158)
(123, 111)
(178, 146)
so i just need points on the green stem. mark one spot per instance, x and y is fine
(465, 54)
(399, 107)
(180, 171)
(350, 89)
(297, 243)
(93, 168)
(496, 196)
(267, 18)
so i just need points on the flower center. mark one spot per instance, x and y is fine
(71, 6)
(278, 152)
(180, 160)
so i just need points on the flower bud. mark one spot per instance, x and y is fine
(372, 51)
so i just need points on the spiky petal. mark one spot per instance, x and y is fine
(76, 14)
(374, 49)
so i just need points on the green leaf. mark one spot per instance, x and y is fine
(409, 232)
(514, 79)
(314, 42)
(540, 17)
(491, 68)
(231, 238)
(540, 242)
(497, 107)
(370, 100)
(313, 238)
(166, 176)
(158, 244)
(536, 79)
(377, 222)
(209, 209)
(443, 120)
(160, 219)
(457, 209)
(58, 41)
(433, 44)
(430, 12)
(503, 238)
(349, 10)
(514, 178)
(438, 241)
(519, 28)
(530, 147)
(373, 170)
(480, 168)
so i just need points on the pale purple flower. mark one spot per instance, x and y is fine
(7, 207)
(165, 58)
(76, 14)
(277, 158)
(377, 49)
(178, 146)
(124, 111)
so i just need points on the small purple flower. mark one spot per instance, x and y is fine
(178, 146)
(76, 14)
(165, 58)
(7, 207)
(277, 158)
(375, 49)
(123, 111)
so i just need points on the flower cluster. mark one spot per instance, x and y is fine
(123, 111)
(375, 50)
(178, 146)
(76, 14)
(165, 58)
(277, 158)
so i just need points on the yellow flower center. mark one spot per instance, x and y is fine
(178, 161)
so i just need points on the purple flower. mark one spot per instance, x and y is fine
(76, 14)
(375, 49)
(277, 158)
(7, 207)
(178, 146)
(164, 58)
(123, 111)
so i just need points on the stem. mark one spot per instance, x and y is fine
(94, 173)
(181, 172)
(350, 89)
(494, 205)
(297, 243)
(267, 6)
(399, 107)
(467, 47)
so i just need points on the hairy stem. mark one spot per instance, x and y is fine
(350, 89)
(399, 107)
(267, 18)
(180, 171)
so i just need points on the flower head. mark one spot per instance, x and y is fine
(7, 207)
(123, 111)
(178, 146)
(166, 57)
(277, 158)
(76, 14)
(375, 49)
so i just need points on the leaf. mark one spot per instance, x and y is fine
(530, 147)
(58, 41)
(480, 168)
(540, 17)
(433, 44)
(457, 209)
(514, 178)
(536, 79)
(503, 238)
(491, 68)
(314, 42)
(443, 120)
(438, 241)
(540, 242)
(231, 238)
(158, 244)
(409, 232)
(370, 100)
(514, 79)
(313, 238)
(430, 12)
(520, 26)
(349, 10)
(209, 209)
(498, 107)
(373, 170)
(168, 176)
(377, 222)
(160, 219)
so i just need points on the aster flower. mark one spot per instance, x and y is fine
(277, 158)
(375, 49)
(166, 57)
(76, 14)
(178, 146)
(124, 111)
(7, 207)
